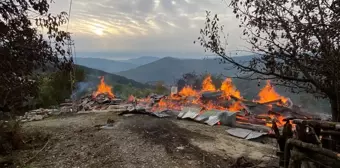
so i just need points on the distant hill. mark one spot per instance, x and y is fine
(113, 66)
(105, 64)
(169, 69)
(92, 75)
(141, 60)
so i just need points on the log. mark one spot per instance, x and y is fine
(271, 102)
(276, 130)
(330, 132)
(263, 117)
(328, 142)
(314, 157)
(309, 147)
(236, 98)
(319, 123)
(211, 95)
(286, 134)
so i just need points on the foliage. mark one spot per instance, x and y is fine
(10, 138)
(55, 87)
(121, 86)
(160, 87)
(124, 91)
(25, 52)
(297, 43)
(92, 75)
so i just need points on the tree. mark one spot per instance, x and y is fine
(296, 44)
(190, 79)
(55, 87)
(25, 52)
(160, 88)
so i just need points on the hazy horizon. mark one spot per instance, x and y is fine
(131, 55)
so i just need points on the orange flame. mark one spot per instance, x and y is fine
(102, 88)
(228, 89)
(189, 96)
(278, 119)
(131, 98)
(162, 104)
(207, 84)
(188, 91)
(268, 94)
(237, 106)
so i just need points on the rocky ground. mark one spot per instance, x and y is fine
(137, 141)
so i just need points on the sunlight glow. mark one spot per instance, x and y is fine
(97, 29)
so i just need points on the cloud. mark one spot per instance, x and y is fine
(144, 26)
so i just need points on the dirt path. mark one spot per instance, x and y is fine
(140, 141)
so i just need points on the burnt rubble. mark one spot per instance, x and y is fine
(38, 114)
(100, 102)
(254, 116)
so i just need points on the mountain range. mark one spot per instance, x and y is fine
(141, 60)
(92, 75)
(114, 66)
(168, 69)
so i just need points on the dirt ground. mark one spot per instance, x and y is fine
(138, 141)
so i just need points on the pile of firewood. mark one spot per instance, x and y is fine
(313, 143)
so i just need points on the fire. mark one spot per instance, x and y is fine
(268, 94)
(235, 107)
(188, 91)
(228, 89)
(131, 98)
(189, 96)
(162, 104)
(207, 84)
(279, 120)
(102, 88)
(210, 105)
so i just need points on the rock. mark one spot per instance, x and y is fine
(128, 115)
(45, 115)
(36, 118)
(54, 112)
(66, 104)
(180, 148)
(123, 106)
(108, 127)
(66, 109)
(110, 121)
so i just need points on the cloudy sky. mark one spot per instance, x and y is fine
(131, 28)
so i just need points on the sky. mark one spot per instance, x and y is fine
(122, 29)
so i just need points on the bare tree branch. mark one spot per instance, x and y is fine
(297, 44)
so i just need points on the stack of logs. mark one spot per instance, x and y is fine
(313, 143)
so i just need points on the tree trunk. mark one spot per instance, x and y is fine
(335, 105)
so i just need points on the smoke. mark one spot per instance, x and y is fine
(81, 89)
